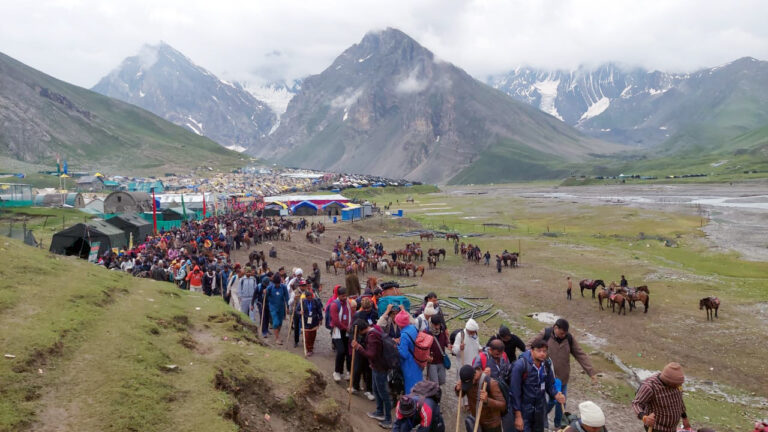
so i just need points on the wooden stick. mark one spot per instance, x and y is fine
(290, 327)
(458, 412)
(351, 373)
(301, 323)
(479, 407)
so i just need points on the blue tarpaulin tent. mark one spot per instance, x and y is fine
(304, 208)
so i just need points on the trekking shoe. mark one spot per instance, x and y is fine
(370, 396)
(336, 376)
(376, 416)
(386, 424)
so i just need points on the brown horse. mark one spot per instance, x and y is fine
(640, 296)
(510, 259)
(604, 294)
(418, 269)
(432, 261)
(643, 288)
(621, 300)
(426, 235)
(442, 252)
(449, 236)
(712, 304)
(590, 284)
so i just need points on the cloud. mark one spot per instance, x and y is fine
(411, 84)
(82, 40)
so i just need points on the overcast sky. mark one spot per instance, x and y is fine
(80, 41)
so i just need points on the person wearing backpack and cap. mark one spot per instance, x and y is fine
(419, 412)
(512, 342)
(412, 373)
(423, 320)
(562, 346)
(471, 380)
(659, 400)
(373, 350)
(495, 362)
(591, 419)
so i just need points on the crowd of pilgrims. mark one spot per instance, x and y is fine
(400, 359)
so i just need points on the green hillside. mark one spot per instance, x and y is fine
(42, 116)
(88, 349)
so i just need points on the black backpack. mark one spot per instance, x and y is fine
(389, 352)
(548, 334)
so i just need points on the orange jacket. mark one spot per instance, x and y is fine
(195, 278)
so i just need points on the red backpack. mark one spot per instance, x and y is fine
(422, 347)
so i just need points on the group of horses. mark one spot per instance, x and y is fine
(616, 295)
(273, 229)
(315, 230)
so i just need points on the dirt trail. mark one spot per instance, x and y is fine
(299, 253)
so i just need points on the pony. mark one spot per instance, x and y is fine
(510, 259)
(604, 294)
(441, 251)
(590, 284)
(640, 296)
(426, 235)
(418, 269)
(449, 236)
(712, 304)
(432, 261)
(621, 300)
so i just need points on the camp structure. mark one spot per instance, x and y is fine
(352, 212)
(77, 239)
(72, 199)
(127, 202)
(304, 208)
(333, 208)
(16, 195)
(131, 223)
(275, 208)
(90, 183)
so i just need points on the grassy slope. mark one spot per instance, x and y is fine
(91, 348)
(119, 135)
(605, 240)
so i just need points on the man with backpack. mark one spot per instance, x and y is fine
(495, 362)
(381, 352)
(420, 410)
(408, 350)
(512, 343)
(339, 317)
(481, 389)
(530, 382)
(561, 346)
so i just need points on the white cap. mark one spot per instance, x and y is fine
(471, 325)
(298, 271)
(429, 309)
(591, 414)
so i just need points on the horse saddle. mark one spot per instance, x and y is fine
(612, 296)
(589, 282)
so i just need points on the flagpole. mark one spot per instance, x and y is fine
(154, 212)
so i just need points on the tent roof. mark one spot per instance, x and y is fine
(132, 219)
(304, 204)
(332, 203)
(281, 204)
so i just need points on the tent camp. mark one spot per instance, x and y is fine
(131, 223)
(76, 240)
(304, 208)
(275, 208)
(60, 200)
(333, 208)
(128, 202)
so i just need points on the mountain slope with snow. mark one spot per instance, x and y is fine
(168, 84)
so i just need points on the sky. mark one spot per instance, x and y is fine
(255, 41)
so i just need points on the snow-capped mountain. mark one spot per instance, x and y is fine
(276, 94)
(163, 81)
(646, 108)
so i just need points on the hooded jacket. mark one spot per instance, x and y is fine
(560, 351)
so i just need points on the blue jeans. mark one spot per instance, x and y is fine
(558, 409)
(381, 391)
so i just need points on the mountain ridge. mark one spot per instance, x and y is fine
(387, 106)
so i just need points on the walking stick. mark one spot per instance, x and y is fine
(352, 373)
(263, 311)
(293, 309)
(479, 408)
(458, 411)
(301, 322)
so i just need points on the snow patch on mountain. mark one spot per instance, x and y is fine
(237, 148)
(596, 108)
(195, 126)
(548, 91)
(276, 96)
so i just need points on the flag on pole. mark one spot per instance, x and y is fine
(65, 168)
(204, 205)
(154, 212)
(58, 165)
(130, 241)
(183, 207)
